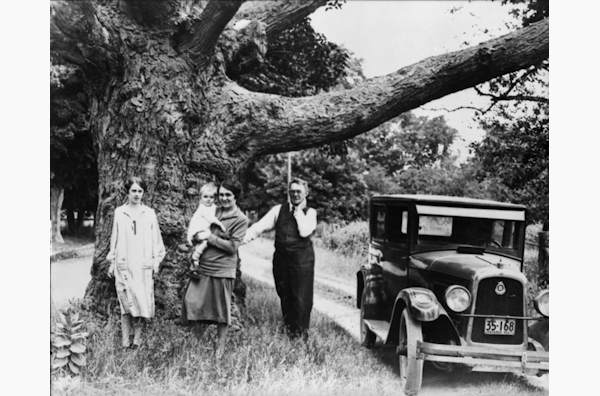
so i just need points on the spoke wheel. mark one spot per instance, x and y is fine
(411, 368)
(367, 337)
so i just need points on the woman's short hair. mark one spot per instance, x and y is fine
(134, 179)
(231, 186)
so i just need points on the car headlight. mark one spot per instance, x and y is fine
(542, 303)
(458, 298)
(423, 300)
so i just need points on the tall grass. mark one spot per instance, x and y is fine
(258, 360)
(351, 239)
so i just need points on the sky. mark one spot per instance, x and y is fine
(388, 35)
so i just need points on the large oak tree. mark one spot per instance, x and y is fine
(160, 78)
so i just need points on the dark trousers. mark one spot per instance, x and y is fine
(294, 273)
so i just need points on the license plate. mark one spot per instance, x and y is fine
(499, 326)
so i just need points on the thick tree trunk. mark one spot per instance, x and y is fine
(146, 124)
(79, 221)
(56, 198)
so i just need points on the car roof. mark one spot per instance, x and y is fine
(445, 200)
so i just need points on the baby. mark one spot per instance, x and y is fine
(203, 218)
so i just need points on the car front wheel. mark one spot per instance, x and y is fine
(411, 368)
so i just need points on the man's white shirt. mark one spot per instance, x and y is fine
(307, 222)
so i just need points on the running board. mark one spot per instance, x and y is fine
(379, 327)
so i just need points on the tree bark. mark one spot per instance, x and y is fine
(56, 198)
(200, 41)
(71, 225)
(279, 15)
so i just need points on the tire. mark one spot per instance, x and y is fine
(367, 337)
(411, 368)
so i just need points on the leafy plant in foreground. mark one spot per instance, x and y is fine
(68, 343)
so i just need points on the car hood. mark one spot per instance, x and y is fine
(466, 266)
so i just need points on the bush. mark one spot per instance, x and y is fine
(349, 240)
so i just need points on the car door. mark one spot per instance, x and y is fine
(394, 261)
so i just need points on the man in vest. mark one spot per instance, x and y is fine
(294, 257)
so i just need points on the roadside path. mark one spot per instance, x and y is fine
(345, 316)
(69, 278)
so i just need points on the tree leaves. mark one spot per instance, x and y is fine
(77, 348)
(58, 363)
(298, 62)
(68, 342)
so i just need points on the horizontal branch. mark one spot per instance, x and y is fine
(202, 38)
(279, 15)
(280, 124)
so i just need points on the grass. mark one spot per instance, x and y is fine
(257, 361)
(327, 262)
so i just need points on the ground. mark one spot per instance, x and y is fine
(334, 297)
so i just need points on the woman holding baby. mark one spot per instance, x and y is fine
(217, 233)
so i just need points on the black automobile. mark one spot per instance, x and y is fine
(444, 283)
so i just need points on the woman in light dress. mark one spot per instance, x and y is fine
(136, 250)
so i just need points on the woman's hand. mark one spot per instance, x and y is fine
(201, 235)
(111, 270)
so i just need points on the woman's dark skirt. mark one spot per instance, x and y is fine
(208, 299)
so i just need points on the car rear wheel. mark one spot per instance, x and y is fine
(367, 337)
(411, 368)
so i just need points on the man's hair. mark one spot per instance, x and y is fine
(134, 179)
(297, 180)
(208, 188)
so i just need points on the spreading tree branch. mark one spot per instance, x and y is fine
(280, 124)
(202, 37)
(279, 15)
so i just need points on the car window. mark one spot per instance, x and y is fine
(397, 223)
(378, 226)
(435, 225)
(503, 236)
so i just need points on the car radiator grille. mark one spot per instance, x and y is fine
(490, 303)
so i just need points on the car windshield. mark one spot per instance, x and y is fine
(502, 236)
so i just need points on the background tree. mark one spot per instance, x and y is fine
(163, 103)
(336, 181)
(74, 180)
(514, 155)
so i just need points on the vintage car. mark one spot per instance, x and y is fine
(444, 283)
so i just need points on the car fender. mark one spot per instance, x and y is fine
(406, 298)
